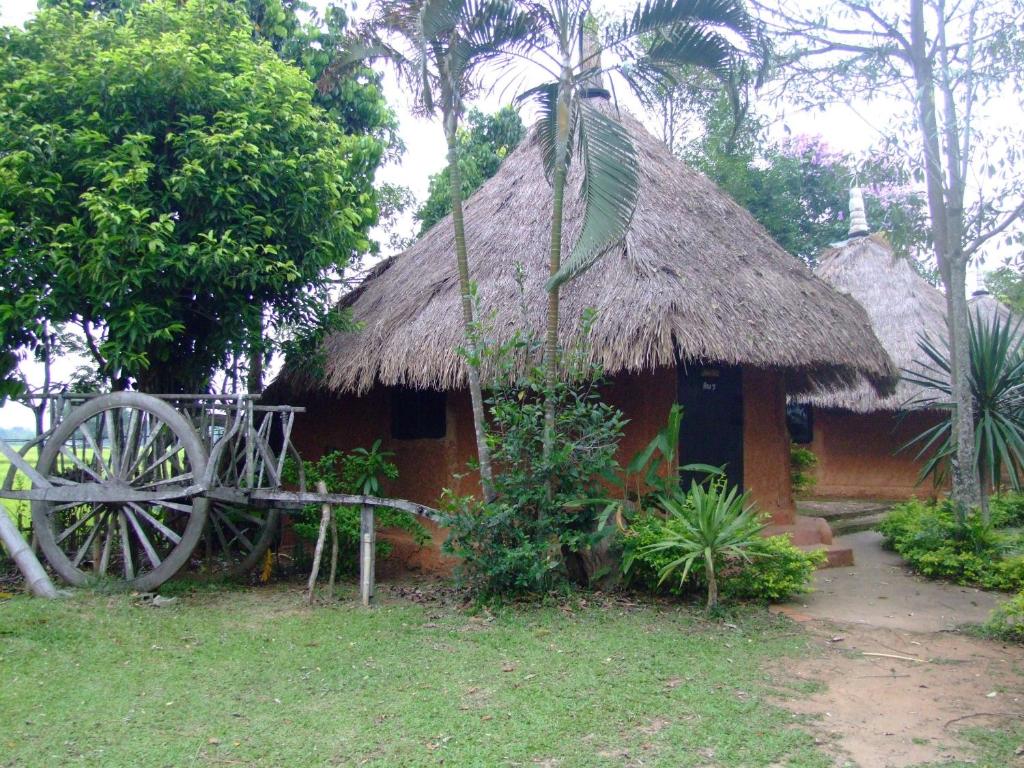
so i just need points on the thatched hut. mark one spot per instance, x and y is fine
(697, 305)
(856, 433)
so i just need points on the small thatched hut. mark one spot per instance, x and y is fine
(698, 305)
(856, 433)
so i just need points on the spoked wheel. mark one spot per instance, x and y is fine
(237, 537)
(130, 464)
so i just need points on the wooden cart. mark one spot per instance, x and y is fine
(132, 487)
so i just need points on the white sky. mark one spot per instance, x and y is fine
(844, 128)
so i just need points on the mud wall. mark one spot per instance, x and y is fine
(858, 458)
(427, 467)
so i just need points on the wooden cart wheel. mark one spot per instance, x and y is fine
(111, 448)
(237, 537)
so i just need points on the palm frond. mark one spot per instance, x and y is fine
(545, 99)
(611, 187)
(661, 16)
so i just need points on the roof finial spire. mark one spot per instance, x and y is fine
(590, 59)
(858, 219)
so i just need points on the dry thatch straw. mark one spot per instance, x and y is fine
(902, 306)
(986, 305)
(697, 277)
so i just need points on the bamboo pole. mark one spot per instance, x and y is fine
(325, 516)
(38, 580)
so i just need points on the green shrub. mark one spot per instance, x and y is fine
(1007, 510)
(1007, 621)
(801, 461)
(361, 471)
(535, 536)
(928, 536)
(775, 571)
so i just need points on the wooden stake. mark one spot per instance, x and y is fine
(334, 556)
(325, 516)
(367, 553)
(36, 578)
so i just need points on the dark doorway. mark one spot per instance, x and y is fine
(712, 427)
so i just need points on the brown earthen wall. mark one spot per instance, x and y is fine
(858, 458)
(427, 467)
(766, 444)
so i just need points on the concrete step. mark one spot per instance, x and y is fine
(840, 509)
(845, 515)
(856, 524)
(837, 556)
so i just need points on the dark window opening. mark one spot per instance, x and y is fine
(418, 414)
(800, 420)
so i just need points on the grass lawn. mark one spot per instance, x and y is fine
(255, 678)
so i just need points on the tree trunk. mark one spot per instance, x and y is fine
(709, 572)
(558, 180)
(254, 377)
(952, 268)
(468, 310)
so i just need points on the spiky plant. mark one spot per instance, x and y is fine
(997, 388)
(706, 525)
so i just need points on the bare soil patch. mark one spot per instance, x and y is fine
(900, 687)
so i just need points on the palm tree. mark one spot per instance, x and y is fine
(652, 44)
(437, 48)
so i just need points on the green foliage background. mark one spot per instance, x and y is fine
(164, 177)
(482, 147)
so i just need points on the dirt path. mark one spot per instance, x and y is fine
(900, 684)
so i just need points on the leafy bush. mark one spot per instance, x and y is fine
(928, 536)
(801, 461)
(535, 535)
(1007, 510)
(362, 472)
(776, 569)
(1007, 621)
(753, 568)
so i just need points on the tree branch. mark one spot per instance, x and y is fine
(1013, 216)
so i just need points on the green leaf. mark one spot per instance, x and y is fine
(611, 186)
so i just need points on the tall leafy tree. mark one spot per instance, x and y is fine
(944, 62)
(798, 189)
(483, 146)
(438, 48)
(165, 180)
(1007, 284)
(651, 44)
(312, 40)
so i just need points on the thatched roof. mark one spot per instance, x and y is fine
(697, 276)
(902, 306)
(987, 305)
